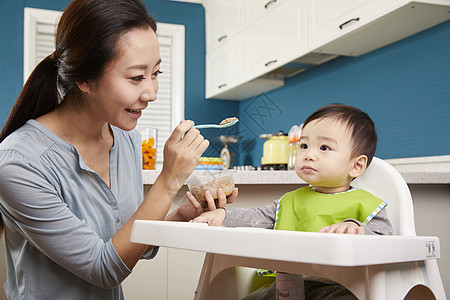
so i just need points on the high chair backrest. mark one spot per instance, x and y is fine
(384, 181)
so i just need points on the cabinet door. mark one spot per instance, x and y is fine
(331, 19)
(256, 9)
(225, 66)
(184, 269)
(223, 20)
(276, 39)
(149, 277)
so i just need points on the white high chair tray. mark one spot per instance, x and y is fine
(289, 246)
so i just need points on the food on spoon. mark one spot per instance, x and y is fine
(228, 120)
(210, 182)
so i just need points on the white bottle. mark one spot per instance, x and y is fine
(294, 137)
(293, 144)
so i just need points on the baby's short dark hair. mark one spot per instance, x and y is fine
(364, 136)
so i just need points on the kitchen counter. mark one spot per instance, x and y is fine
(424, 170)
(416, 170)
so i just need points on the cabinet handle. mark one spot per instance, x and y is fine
(222, 85)
(270, 62)
(222, 38)
(266, 6)
(348, 23)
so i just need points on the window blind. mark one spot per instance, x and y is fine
(45, 41)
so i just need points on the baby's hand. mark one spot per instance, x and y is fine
(212, 217)
(344, 227)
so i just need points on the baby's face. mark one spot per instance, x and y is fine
(324, 156)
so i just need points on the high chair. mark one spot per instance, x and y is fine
(385, 182)
(402, 266)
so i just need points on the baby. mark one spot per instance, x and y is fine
(337, 144)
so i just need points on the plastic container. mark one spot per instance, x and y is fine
(149, 140)
(294, 137)
(200, 182)
(209, 163)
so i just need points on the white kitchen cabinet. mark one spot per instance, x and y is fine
(257, 9)
(270, 40)
(148, 279)
(232, 60)
(184, 269)
(225, 66)
(330, 19)
(249, 89)
(223, 21)
(172, 275)
(225, 71)
(276, 39)
(355, 27)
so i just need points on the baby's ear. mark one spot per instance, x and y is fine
(359, 166)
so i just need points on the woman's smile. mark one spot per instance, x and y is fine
(134, 113)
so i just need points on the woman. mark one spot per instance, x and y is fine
(70, 161)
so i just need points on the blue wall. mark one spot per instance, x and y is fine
(191, 15)
(404, 87)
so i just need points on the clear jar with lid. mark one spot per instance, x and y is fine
(294, 137)
(211, 181)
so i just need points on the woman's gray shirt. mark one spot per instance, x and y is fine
(60, 215)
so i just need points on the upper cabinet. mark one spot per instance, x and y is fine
(256, 9)
(330, 19)
(356, 27)
(225, 66)
(275, 38)
(224, 20)
(253, 45)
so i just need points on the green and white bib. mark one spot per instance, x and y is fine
(307, 210)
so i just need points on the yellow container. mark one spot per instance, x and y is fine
(276, 150)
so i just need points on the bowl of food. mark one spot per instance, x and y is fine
(201, 182)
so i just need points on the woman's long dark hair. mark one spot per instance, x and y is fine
(86, 41)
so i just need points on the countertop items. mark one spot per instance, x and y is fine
(275, 152)
(209, 163)
(416, 170)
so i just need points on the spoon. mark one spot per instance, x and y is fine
(225, 123)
